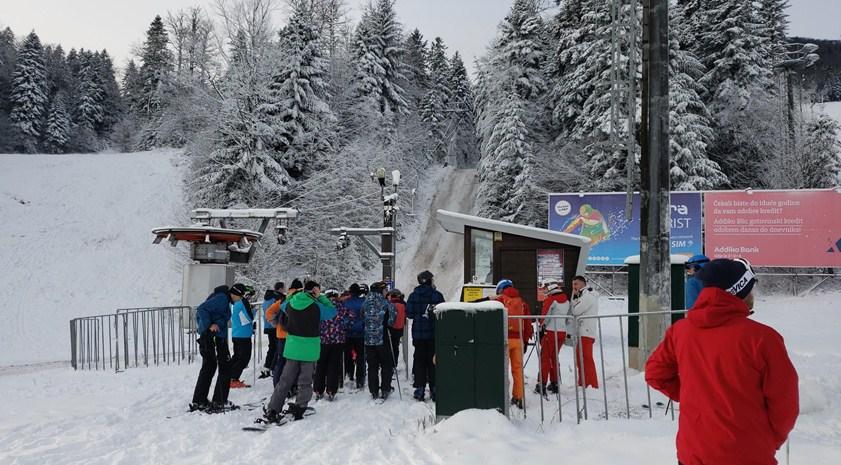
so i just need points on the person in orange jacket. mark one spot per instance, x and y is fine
(553, 334)
(273, 315)
(395, 331)
(519, 332)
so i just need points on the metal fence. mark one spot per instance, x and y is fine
(133, 337)
(617, 402)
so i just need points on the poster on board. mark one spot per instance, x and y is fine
(601, 217)
(550, 269)
(775, 228)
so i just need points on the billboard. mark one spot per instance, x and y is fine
(601, 217)
(775, 228)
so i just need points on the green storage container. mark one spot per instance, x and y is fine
(678, 279)
(471, 354)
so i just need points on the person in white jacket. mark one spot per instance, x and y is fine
(585, 302)
(552, 336)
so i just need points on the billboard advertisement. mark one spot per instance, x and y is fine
(775, 228)
(601, 217)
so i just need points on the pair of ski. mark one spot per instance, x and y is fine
(261, 424)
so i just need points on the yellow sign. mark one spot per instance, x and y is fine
(471, 294)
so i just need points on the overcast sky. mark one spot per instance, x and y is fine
(465, 25)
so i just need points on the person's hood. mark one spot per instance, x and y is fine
(425, 290)
(301, 300)
(270, 294)
(511, 291)
(375, 296)
(716, 307)
(560, 297)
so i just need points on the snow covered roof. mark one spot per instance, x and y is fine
(469, 307)
(676, 260)
(456, 222)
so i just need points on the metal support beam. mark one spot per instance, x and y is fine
(654, 193)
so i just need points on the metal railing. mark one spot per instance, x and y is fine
(581, 399)
(133, 337)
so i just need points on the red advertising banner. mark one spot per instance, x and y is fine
(774, 228)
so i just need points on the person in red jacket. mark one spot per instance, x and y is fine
(395, 331)
(519, 332)
(732, 375)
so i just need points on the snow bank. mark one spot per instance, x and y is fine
(75, 240)
(468, 307)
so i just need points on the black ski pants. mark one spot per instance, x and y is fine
(271, 333)
(355, 369)
(242, 355)
(380, 368)
(214, 357)
(395, 336)
(424, 369)
(328, 371)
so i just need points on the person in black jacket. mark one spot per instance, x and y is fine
(419, 307)
(212, 327)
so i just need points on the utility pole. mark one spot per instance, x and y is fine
(655, 285)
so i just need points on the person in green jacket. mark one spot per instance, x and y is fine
(301, 315)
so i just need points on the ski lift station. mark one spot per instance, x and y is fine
(215, 248)
(530, 257)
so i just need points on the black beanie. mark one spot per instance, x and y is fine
(311, 285)
(734, 276)
(355, 289)
(296, 284)
(238, 289)
(425, 277)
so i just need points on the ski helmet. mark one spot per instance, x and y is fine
(696, 262)
(363, 289)
(503, 284)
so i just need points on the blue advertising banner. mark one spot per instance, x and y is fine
(601, 217)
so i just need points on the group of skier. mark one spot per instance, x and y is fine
(316, 338)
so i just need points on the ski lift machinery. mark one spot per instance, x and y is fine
(215, 249)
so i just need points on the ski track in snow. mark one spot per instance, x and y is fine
(76, 240)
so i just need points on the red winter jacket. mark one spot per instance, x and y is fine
(735, 383)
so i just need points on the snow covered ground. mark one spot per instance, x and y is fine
(63, 417)
(75, 241)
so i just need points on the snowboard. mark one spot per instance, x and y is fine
(260, 425)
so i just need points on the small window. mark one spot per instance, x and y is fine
(482, 250)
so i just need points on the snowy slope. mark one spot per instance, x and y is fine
(435, 249)
(75, 241)
(65, 417)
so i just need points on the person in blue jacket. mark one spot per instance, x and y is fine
(419, 309)
(355, 368)
(242, 329)
(378, 313)
(212, 327)
(271, 296)
(693, 284)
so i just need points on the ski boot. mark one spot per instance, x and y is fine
(419, 394)
(540, 388)
(199, 406)
(221, 407)
(265, 373)
(517, 403)
(553, 388)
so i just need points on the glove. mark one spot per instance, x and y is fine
(542, 332)
(525, 347)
